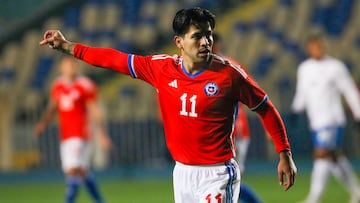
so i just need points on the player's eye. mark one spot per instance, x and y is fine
(197, 36)
(209, 37)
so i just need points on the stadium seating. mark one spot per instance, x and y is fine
(269, 42)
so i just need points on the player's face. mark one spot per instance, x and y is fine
(316, 48)
(197, 43)
(68, 68)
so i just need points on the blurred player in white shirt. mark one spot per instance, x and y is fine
(321, 81)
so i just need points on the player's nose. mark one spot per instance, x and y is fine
(204, 41)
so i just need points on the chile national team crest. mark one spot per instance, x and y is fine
(211, 89)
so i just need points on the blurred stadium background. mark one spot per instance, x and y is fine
(265, 35)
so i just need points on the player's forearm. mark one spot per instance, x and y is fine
(274, 125)
(47, 116)
(102, 57)
(97, 116)
(352, 97)
(68, 47)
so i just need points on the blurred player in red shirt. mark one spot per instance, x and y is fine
(74, 98)
(198, 92)
(241, 132)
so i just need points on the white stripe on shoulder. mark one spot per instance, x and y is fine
(160, 56)
(86, 83)
(239, 69)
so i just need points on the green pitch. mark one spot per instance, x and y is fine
(160, 191)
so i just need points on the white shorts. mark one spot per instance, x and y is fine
(75, 153)
(207, 184)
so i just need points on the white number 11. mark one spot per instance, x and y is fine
(192, 100)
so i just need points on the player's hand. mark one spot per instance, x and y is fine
(39, 129)
(56, 40)
(286, 168)
(105, 141)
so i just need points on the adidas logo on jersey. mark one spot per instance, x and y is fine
(173, 84)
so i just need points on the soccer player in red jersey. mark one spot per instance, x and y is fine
(198, 92)
(73, 97)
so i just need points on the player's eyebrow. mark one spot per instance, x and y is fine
(199, 33)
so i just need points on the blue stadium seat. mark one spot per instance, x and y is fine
(261, 24)
(321, 14)
(131, 11)
(7, 74)
(294, 48)
(341, 12)
(72, 17)
(262, 68)
(42, 71)
(276, 35)
(284, 83)
(286, 3)
(242, 27)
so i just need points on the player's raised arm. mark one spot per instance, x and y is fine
(275, 127)
(96, 56)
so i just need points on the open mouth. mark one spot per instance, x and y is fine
(204, 52)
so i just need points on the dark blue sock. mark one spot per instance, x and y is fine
(92, 188)
(72, 188)
(247, 195)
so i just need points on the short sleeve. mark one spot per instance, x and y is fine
(89, 88)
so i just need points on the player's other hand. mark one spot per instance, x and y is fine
(288, 169)
(39, 129)
(56, 40)
(105, 141)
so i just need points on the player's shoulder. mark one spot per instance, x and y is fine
(85, 83)
(335, 61)
(229, 65)
(58, 82)
(307, 62)
(307, 66)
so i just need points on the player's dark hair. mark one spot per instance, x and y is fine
(184, 18)
(314, 37)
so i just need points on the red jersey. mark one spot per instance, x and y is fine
(241, 124)
(197, 109)
(242, 129)
(70, 100)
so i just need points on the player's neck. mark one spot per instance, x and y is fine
(194, 67)
(70, 79)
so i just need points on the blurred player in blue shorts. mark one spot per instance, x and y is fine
(321, 81)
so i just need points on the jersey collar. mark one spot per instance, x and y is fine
(200, 71)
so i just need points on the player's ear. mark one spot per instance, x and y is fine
(178, 41)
